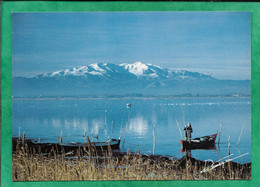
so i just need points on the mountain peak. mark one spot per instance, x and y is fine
(96, 67)
(137, 68)
(138, 78)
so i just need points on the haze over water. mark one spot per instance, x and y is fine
(47, 118)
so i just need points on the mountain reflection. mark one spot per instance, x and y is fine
(47, 119)
(96, 123)
(56, 122)
(138, 125)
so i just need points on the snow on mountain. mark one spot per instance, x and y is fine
(53, 74)
(154, 66)
(74, 71)
(140, 69)
(92, 69)
(95, 73)
(137, 69)
(97, 68)
(136, 78)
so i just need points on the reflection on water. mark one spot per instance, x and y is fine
(96, 124)
(108, 117)
(56, 123)
(138, 125)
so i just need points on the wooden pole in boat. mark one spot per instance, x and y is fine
(220, 132)
(241, 134)
(179, 128)
(153, 139)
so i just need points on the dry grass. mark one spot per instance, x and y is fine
(32, 165)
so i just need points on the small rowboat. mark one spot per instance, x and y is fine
(204, 142)
(113, 143)
(67, 147)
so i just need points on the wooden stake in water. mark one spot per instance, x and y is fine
(183, 117)
(84, 135)
(61, 137)
(125, 136)
(19, 134)
(23, 138)
(105, 123)
(153, 139)
(129, 116)
(179, 128)
(112, 129)
(105, 118)
(127, 125)
(97, 134)
(241, 134)
(229, 166)
(92, 134)
(68, 139)
(121, 129)
(220, 132)
(228, 145)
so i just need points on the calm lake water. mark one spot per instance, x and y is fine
(47, 118)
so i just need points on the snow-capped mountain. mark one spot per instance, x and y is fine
(136, 70)
(137, 78)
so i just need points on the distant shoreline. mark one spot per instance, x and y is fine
(124, 98)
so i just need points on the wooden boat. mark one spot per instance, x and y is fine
(113, 143)
(73, 146)
(204, 142)
(211, 147)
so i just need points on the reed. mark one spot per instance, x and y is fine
(29, 164)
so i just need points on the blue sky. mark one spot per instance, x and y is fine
(206, 42)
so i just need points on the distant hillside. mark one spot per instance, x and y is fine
(125, 79)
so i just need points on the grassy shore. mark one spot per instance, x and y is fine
(34, 164)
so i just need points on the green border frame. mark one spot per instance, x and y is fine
(6, 84)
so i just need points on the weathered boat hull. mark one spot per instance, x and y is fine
(113, 144)
(204, 142)
(47, 147)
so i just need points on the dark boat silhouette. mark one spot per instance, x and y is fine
(113, 143)
(204, 142)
